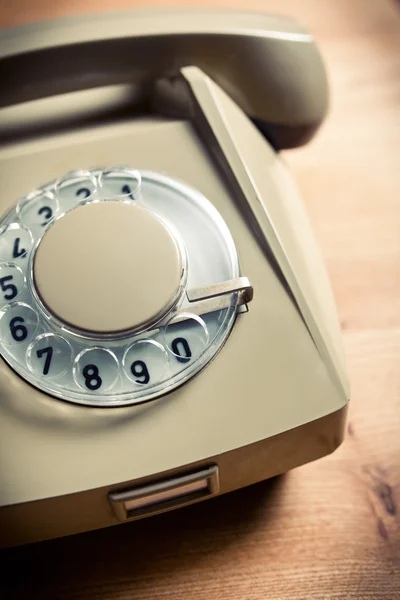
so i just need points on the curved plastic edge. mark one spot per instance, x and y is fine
(270, 202)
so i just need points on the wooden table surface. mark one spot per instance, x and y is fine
(328, 530)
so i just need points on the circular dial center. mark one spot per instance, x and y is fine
(108, 267)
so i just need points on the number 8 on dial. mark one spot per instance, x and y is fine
(96, 369)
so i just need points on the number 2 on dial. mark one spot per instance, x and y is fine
(84, 192)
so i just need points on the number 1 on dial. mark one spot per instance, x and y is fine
(127, 190)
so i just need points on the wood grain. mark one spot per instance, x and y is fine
(329, 530)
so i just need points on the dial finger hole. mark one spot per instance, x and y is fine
(186, 336)
(15, 243)
(12, 281)
(96, 370)
(18, 323)
(145, 362)
(76, 187)
(49, 356)
(38, 209)
(120, 182)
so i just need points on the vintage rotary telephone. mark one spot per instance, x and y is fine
(167, 330)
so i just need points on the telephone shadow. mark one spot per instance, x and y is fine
(47, 412)
(129, 556)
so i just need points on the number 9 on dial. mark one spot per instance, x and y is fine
(145, 362)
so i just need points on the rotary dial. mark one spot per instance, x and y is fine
(116, 286)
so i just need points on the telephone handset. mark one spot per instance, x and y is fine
(183, 287)
(269, 66)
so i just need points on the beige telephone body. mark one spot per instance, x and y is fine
(167, 330)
